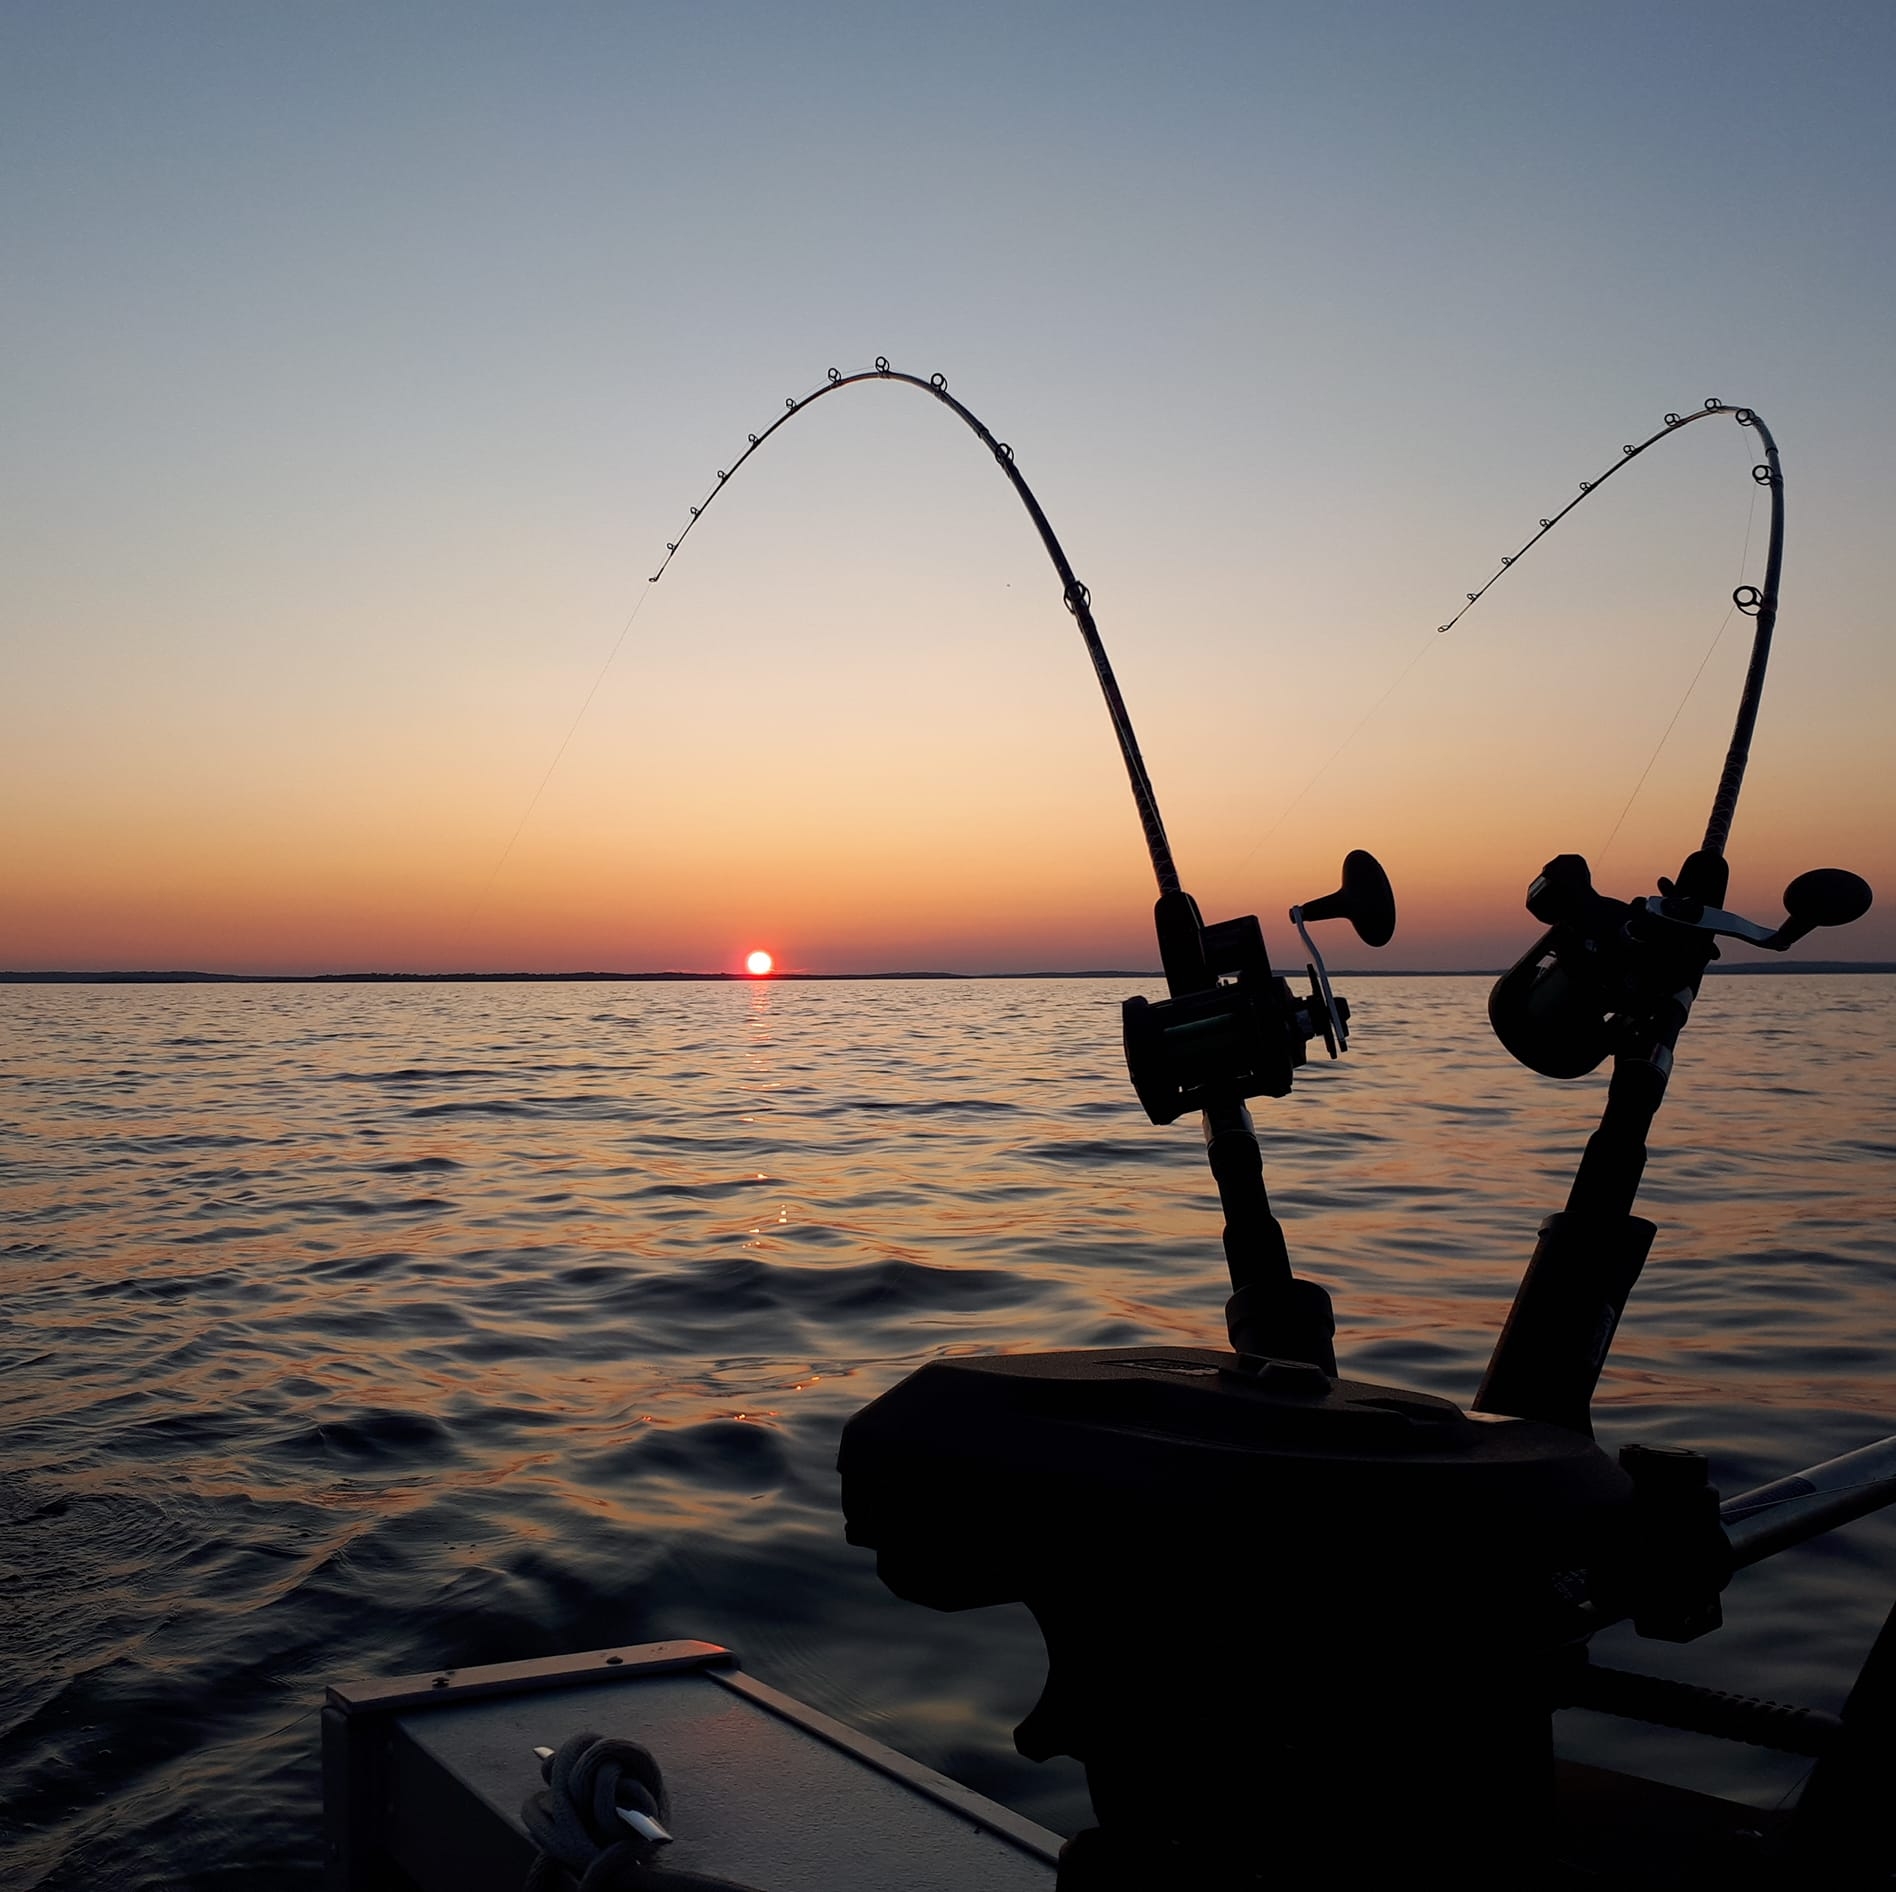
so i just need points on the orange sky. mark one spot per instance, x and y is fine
(346, 425)
(911, 768)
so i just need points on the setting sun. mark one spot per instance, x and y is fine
(759, 963)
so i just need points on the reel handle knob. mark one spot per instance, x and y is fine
(1825, 896)
(1365, 899)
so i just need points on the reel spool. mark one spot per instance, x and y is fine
(1559, 1008)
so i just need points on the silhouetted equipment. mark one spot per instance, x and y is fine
(1821, 896)
(1612, 978)
(1618, 978)
(1591, 979)
(1232, 1030)
(1368, 1563)
(1365, 899)
(1300, 1628)
(1401, 1591)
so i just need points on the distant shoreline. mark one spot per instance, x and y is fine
(1778, 967)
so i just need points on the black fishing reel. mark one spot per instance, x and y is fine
(1232, 1028)
(1561, 1009)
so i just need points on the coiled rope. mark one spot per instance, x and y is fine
(575, 1822)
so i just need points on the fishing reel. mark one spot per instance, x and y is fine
(1605, 964)
(1232, 1029)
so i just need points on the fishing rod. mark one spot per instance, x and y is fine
(1618, 978)
(1230, 1029)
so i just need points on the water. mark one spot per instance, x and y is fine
(351, 1330)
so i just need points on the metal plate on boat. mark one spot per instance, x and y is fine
(423, 1780)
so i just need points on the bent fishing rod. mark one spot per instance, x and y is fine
(1618, 978)
(1229, 1029)
(1075, 595)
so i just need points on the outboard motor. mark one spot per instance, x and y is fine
(1289, 1616)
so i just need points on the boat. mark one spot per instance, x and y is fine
(1299, 1625)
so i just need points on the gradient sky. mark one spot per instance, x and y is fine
(359, 361)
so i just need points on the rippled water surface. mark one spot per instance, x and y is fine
(352, 1330)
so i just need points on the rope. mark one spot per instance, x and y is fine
(575, 1822)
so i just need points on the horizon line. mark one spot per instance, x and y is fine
(191, 977)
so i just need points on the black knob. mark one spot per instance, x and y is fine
(1562, 891)
(1365, 899)
(1827, 896)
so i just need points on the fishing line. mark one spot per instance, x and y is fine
(1074, 595)
(572, 729)
(1718, 638)
(1296, 800)
(1760, 604)
(1652, 760)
